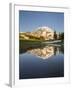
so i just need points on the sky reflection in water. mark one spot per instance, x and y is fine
(42, 62)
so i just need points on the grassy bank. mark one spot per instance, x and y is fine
(25, 45)
(37, 42)
(30, 42)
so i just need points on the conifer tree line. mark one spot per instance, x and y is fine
(59, 36)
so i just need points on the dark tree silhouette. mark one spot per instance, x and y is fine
(61, 36)
(55, 35)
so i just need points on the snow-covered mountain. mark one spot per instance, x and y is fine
(45, 33)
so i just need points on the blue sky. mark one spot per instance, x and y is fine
(30, 20)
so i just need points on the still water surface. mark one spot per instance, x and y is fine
(42, 62)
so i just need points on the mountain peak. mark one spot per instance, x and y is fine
(44, 28)
(42, 33)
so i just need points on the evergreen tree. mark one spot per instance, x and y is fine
(55, 35)
(61, 36)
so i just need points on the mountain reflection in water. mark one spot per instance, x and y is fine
(45, 52)
(43, 61)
